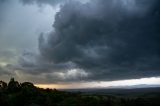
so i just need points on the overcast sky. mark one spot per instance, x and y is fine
(75, 41)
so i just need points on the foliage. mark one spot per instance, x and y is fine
(26, 94)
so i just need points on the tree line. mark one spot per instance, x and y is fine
(14, 93)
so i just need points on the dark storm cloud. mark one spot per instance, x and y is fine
(32, 63)
(107, 38)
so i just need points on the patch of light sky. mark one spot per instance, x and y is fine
(21, 27)
(104, 84)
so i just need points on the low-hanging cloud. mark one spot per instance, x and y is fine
(109, 39)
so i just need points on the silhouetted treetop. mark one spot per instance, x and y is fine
(26, 94)
(13, 85)
(3, 85)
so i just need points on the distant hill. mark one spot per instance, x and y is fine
(26, 94)
(131, 92)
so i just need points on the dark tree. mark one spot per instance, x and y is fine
(27, 85)
(13, 85)
(3, 85)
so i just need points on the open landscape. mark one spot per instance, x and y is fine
(26, 94)
(79, 52)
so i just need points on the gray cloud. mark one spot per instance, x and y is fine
(107, 39)
(40, 2)
(4, 71)
(19, 29)
(7, 53)
(48, 2)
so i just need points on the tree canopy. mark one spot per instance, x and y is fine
(26, 94)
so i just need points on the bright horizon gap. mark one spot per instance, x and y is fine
(103, 84)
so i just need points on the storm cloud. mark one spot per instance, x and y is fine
(97, 40)
(110, 39)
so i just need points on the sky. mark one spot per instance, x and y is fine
(80, 43)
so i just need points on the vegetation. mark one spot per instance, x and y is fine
(26, 94)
